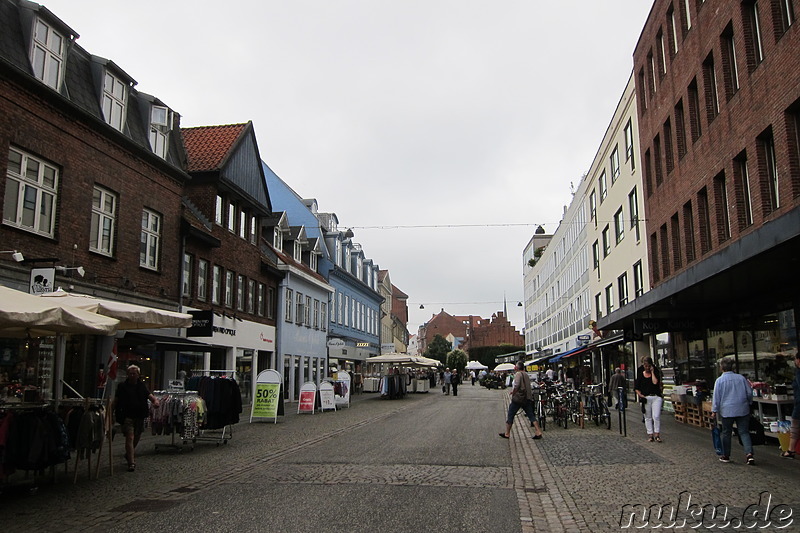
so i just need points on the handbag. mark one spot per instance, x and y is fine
(716, 438)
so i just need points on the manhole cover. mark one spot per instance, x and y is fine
(148, 506)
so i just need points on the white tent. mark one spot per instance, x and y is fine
(24, 314)
(130, 316)
(475, 365)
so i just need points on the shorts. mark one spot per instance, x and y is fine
(513, 407)
(134, 425)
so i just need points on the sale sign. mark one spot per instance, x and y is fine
(307, 398)
(267, 400)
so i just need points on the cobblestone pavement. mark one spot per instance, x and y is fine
(426, 462)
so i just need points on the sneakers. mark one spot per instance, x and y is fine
(724, 459)
(749, 459)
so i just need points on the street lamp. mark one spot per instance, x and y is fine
(15, 255)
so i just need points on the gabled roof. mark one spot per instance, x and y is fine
(231, 153)
(207, 147)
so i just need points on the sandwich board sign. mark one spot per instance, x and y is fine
(308, 397)
(267, 396)
(327, 401)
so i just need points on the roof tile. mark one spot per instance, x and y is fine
(207, 146)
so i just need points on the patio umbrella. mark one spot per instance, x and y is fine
(503, 367)
(24, 314)
(130, 316)
(475, 365)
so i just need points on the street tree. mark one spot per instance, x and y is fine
(457, 360)
(438, 348)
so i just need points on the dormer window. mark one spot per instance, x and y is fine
(298, 251)
(47, 55)
(312, 261)
(159, 130)
(277, 239)
(114, 99)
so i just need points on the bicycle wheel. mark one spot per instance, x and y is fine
(540, 414)
(606, 415)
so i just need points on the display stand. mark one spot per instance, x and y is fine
(327, 397)
(268, 401)
(372, 384)
(218, 426)
(341, 389)
(308, 398)
(90, 433)
(776, 406)
(183, 420)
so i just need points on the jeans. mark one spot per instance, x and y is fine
(513, 407)
(652, 414)
(743, 427)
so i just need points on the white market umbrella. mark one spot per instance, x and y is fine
(130, 316)
(25, 314)
(475, 365)
(504, 367)
(392, 358)
(427, 361)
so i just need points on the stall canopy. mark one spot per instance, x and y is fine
(402, 359)
(23, 314)
(570, 353)
(504, 367)
(130, 316)
(475, 365)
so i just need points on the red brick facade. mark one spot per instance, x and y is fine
(494, 333)
(702, 123)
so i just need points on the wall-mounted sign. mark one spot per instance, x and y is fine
(42, 280)
(202, 324)
(335, 343)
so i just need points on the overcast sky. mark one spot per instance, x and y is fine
(427, 113)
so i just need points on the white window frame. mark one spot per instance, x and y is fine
(253, 229)
(593, 206)
(216, 284)
(229, 288)
(240, 285)
(603, 186)
(619, 226)
(277, 239)
(231, 217)
(103, 222)
(316, 313)
(47, 54)
(149, 251)
(202, 279)
(323, 310)
(115, 98)
(251, 296)
(629, 144)
(307, 312)
(614, 159)
(219, 210)
(31, 181)
(312, 261)
(300, 309)
(297, 251)
(186, 281)
(288, 305)
(243, 224)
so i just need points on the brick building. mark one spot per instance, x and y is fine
(493, 332)
(718, 95)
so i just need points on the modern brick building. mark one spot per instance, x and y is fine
(718, 96)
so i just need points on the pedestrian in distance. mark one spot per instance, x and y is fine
(648, 389)
(448, 377)
(732, 398)
(130, 409)
(455, 381)
(521, 398)
(795, 430)
(618, 380)
(472, 377)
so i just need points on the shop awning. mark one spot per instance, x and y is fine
(538, 360)
(164, 342)
(570, 353)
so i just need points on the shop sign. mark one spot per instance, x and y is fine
(362, 345)
(661, 325)
(387, 347)
(327, 401)
(42, 280)
(202, 324)
(335, 343)
(267, 396)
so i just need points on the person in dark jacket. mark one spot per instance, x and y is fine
(130, 408)
(455, 381)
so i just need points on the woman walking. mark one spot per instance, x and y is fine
(648, 390)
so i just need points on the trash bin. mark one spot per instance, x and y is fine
(783, 438)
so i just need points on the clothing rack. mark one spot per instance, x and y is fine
(184, 422)
(223, 402)
(90, 433)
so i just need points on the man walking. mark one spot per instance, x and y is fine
(732, 398)
(448, 377)
(521, 398)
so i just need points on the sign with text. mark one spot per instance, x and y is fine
(308, 398)
(326, 397)
(202, 324)
(267, 396)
